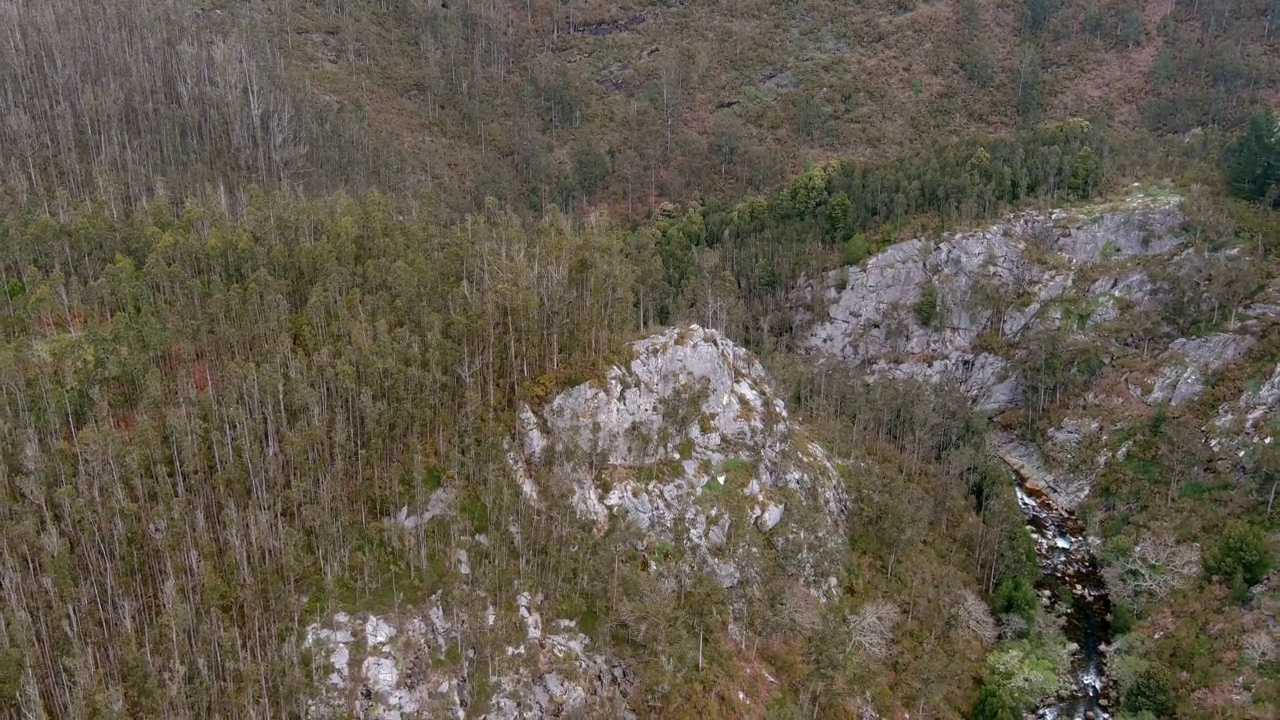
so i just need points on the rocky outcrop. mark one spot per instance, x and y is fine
(405, 665)
(1109, 295)
(1142, 225)
(689, 443)
(1073, 431)
(872, 309)
(1267, 304)
(984, 378)
(1188, 361)
(1065, 490)
(917, 309)
(1254, 418)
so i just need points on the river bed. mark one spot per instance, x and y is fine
(1073, 585)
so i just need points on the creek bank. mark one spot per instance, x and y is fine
(1073, 586)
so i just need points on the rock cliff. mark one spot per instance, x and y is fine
(967, 308)
(689, 443)
(919, 308)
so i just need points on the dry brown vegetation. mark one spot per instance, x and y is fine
(211, 403)
(583, 104)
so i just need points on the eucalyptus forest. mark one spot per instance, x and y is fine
(557, 358)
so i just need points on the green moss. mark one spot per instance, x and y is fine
(475, 511)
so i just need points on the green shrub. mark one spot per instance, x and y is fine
(1085, 173)
(993, 704)
(1122, 619)
(1240, 555)
(927, 307)
(1253, 164)
(1149, 692)
(856, 249)
(1025, 674)
(1015, 595)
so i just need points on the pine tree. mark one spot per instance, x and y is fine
(1084, 173)
(1253, 165)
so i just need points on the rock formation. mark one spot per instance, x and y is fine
(918, 308)
(402, 664)
(686, 443)
(689, 439)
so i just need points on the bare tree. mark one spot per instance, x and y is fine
(1156, 567)
(871, 628)
(974, 618)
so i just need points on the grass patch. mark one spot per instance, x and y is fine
(1144, 468)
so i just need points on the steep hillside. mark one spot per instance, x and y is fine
(1098, 338)
(1132, 365)
(683, 360)
(586, 104)
(279, 438)
(688, 452)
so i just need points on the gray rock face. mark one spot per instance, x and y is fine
(1067, 491)
(985, 378)
(1074, 441)
(1073, 431)
(1144, 228)
(1254, 418)
(440, 502)
(398, 666)
(1050, 287)
(686, 383)
(1188, 361)
(1107, 293)
(872, 315)
(992, 278)
(1267, 304)
(689, 438)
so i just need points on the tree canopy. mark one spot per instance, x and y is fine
(1253, 166)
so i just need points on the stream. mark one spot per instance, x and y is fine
(1073, 583)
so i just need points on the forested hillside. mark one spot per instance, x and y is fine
(639, 360)
(584, 104)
